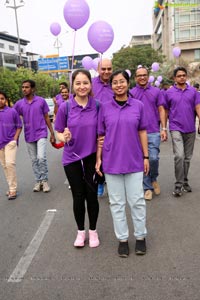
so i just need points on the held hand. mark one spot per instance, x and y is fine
(97, 167)
(52, 138)
(163, 135)
(67, 135)
(146, 166)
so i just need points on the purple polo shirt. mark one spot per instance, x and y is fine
(9, 122)
(33, 113)
(181, 106)
(59, 99)
(122, 150)
(152, 98)
(101, 91)
(82, 123)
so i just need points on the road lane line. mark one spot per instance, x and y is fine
(25, 261)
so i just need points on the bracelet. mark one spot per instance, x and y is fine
(164, 128)
(145, 157)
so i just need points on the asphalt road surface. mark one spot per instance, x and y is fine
(37, 231)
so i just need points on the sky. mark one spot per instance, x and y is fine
(127, 18)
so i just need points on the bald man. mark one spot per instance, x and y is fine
(100, 85)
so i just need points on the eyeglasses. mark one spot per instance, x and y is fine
(142, 75)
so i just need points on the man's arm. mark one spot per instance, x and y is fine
(163, 121)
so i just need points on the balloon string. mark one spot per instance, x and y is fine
(73, 50)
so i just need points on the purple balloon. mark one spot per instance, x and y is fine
(176, 51)
(100, 36)
(87, 62)
(95, 63)
(76, 13)
(159, 78)
(151, 79)
(157, 83)
(55, 28)
(129, 72)
(155, 66)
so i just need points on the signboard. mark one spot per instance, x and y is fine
(62, 64)
(53, 64)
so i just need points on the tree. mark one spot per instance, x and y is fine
(130, 57)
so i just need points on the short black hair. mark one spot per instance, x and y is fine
(124, 74)
(32, 82)
(4, 94)
(180, 69)
(64, 83)
(196, 85)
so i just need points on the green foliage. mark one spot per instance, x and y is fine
(130, 57)
(11, 81)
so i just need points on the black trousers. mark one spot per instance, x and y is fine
(80, 175)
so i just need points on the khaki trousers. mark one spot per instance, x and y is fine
(8, 162)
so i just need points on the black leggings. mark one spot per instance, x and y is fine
(80, 175)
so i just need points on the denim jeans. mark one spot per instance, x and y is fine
(183, 145)
(154, 150)
(128, 187)
(37, 153)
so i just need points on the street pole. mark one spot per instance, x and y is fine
(15, 7)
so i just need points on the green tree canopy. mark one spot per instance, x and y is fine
(130, 57)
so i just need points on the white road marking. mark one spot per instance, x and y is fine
(25, 261)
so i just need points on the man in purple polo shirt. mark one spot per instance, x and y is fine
(64, 96)
(154, 103)
(183, 102)
(34, 111)
(10, 129)
(102, 91)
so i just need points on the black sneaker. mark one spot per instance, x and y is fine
(177, 192)
(140, 247)
(123, 249)
(187, 188)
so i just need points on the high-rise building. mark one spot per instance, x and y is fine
(177, 24)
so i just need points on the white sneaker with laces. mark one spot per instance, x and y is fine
(37, 187)
(45, 186)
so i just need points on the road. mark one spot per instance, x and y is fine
(37, 231)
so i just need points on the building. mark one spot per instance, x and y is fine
(138, 40)
(9, 56)
(177, 24)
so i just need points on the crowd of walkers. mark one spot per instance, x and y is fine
(111, 135)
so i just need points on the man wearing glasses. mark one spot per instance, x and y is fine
(183, 103)
(154, 103)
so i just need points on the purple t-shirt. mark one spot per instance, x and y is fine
(33, 113)
(181, 106)
(102, 91)
(9, 122)
(122, 150)
(59, 99)
(152, 98)
(82, 123)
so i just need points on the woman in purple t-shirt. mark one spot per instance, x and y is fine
(10, 129)
(124, 159)
(76, 126)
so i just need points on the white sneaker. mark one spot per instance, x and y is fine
(45, 186)
(37, 187)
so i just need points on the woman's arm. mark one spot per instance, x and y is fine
(144, 143)
(100, 141)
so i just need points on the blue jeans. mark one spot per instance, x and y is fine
(128, 187)
(37, 153)
(154, 150)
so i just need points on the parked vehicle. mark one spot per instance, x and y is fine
(51, 108)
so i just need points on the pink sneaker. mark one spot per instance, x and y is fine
(93, 239)
(80, 239)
